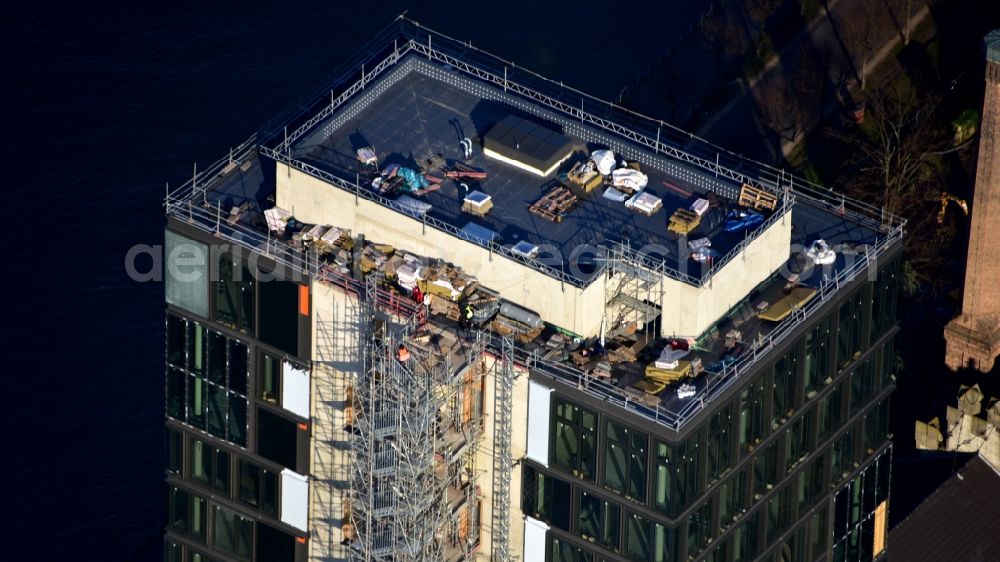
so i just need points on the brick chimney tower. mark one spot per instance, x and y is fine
(973, 338)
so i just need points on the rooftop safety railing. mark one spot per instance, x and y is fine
(293, 263)
(405, 36)
(190, 201)
(717, 382)
(668, 140)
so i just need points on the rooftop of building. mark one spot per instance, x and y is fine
(413, 102)
(418, 121)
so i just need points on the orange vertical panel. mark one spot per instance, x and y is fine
(879, 542)
(304, 300)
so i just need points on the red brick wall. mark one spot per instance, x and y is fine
(972, 338)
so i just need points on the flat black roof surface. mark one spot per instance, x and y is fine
(959, 522)
(419, 118)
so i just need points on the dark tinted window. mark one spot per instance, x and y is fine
(274, 545)
(625, 461)
(279, 312)
(575, 438)
(276, 438)
(234, 296)
(231, 532)
(546, 498)
(270, 378)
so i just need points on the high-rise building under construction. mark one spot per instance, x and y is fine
(446, 309)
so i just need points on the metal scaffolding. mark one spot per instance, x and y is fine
(416, 428)
(502, 456)
(633, 292)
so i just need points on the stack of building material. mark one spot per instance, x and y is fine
(645, 203)
(447, 281)
(277, 219)
(604, 161)
(602, 370)
(683, 221)
(680, 371)
(555, 204)
(795, 299)
(477, 203)
(375, 257)
(698, 243)
(650, 386)
(440, 306)
(461, 171)
(685, 391)
(332, 236)
(621, 354)
(700, 206)
(407, 274)
(629, 180)
(313, 233)
(585, 175)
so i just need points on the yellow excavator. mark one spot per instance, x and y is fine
(945, 198)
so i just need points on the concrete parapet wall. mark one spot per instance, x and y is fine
(689, 311)
(314, 201)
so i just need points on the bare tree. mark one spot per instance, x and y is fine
(790, 102)
(899, 163)
(725, 35)
(724, 32)
(780, 109)
(860, 25)
(760, 11)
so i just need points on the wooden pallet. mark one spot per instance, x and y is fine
(683, 221)
(555, 204)
(757, 198)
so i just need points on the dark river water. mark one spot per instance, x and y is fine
(110, 100)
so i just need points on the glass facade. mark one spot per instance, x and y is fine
(625, 461)
(858, 528)
(207, 375)
(223, 454)
(575, 439)
(755, 479)
(234, 295)
(186, 273)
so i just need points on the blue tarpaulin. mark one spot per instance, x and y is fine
(413, 179)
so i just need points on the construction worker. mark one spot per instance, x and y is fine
(404, 354)
(468, 315)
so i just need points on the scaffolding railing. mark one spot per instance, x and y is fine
(414, 444)
(396, 495)
(503, 403)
